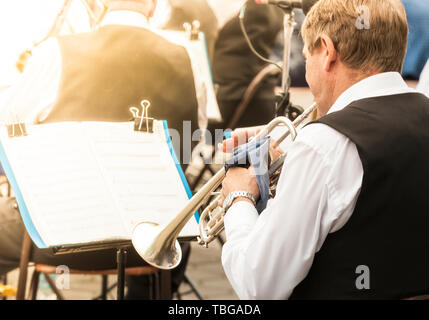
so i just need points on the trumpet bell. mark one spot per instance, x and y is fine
(150, 241)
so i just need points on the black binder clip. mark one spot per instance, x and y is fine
(193, 30)
(16, 130)
(142, 122)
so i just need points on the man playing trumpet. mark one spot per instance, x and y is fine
(350, 213)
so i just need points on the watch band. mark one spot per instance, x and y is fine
(237, 194)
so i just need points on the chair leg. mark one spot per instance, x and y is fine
(108, 290)
(150, 284)
(157, 285)
(53, 287)
(165, 285)
(34, 285)
(121, 260)
(23, 266)
(3, 279)
(194, 289)
(104, 287)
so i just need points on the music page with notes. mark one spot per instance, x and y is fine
(93, 181)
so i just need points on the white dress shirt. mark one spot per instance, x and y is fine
(267, 256)
(37, 87)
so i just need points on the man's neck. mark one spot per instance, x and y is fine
(342, 84)
(129, 6)
(126, 18)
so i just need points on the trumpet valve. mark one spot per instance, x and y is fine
(216, 216)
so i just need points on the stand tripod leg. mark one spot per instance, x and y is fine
(121, 258)
(23, 266)
(165, 285)
(104, 287)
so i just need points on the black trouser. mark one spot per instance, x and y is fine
(11, 236)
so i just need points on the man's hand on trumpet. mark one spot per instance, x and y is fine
(243, 136)
(242, 179)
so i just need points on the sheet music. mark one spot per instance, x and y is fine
(85, 182)
(200, 66)
(140, 172)
(62, 185)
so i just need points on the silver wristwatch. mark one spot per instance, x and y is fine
(234, 195)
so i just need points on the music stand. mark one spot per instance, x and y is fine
(121, 257)
(284, 106)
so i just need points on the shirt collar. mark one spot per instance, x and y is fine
(125, 17)
(382, 84)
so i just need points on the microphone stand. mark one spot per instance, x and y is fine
(284, 106)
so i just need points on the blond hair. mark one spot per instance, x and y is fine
(379, 45)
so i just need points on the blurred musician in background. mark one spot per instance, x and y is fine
(98, 76)
(423, 85)
(418, 39)
(235, 65)
(182, 11)
(349, 219)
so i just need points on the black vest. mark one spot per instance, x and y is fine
(106, 72)
(388, 230)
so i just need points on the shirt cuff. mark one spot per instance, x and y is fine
(241, 217)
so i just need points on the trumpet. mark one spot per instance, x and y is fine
(158, 244)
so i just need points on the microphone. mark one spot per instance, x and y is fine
(305, 5)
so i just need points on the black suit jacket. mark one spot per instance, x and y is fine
(234, 64)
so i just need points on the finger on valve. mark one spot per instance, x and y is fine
(239, 137)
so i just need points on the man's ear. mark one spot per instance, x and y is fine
(330, 54)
